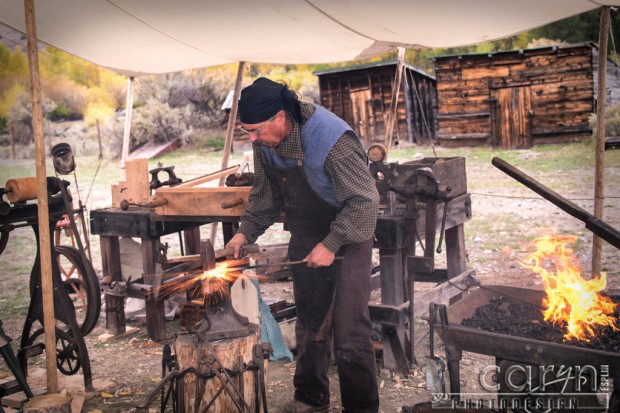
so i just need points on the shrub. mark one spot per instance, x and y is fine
(67, 95)
(62, 112)
(97, 110)
(213, 142)
(20, 116)
(612, 121)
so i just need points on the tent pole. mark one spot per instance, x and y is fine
(230, 132)
(45, 250)
(127, 131)
(599, 171)
(394, 102)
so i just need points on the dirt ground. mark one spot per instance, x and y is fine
(506, 216)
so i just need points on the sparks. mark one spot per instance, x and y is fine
(211, 286)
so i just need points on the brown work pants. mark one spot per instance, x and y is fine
(352, 346)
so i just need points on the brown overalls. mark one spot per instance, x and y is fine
(331, 303)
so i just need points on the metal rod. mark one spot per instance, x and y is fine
(277, 264)
(597, 226)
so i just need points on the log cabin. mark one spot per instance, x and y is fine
(521, 98)
(361, 95)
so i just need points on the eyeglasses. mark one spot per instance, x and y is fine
(258, 131)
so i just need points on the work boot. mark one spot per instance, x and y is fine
(295, 406)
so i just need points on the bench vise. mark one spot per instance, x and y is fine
(157, 183)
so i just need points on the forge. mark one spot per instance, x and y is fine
(591, 369)
(539, 367)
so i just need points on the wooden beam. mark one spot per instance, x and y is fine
(230, 131)
(394, 102)
(126, 133)
(232, 120)
(599, 171)
(45, 249)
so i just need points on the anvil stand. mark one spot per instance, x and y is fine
(74, 351)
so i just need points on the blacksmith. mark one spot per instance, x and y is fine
(311, 165)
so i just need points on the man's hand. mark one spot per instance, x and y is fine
(236, 242)
(320, 257)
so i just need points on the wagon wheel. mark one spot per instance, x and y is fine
(82, 286)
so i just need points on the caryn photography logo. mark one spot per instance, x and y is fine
(534, 389)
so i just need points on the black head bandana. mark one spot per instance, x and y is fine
(263, 99)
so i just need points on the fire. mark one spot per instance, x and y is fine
(211, 286)
(570, 298)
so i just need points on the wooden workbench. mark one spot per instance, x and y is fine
(112, 223)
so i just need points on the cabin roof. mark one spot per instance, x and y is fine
(517, 51)
(392, 62)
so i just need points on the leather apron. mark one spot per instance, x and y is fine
(308, 217)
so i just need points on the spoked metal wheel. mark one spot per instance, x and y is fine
(67, 353)
(67, 356)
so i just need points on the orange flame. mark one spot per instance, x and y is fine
(570, 298)
(212, 285)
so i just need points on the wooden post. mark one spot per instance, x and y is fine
(394, 102)
(230, 132)
(455, 250)
(599, 172)
(45, 250)
(111, 263)
(126, 132)
(155, 311)
(99, 139)
(191, 238)
(12, 140)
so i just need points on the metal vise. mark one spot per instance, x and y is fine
(416, 186)
(157, 183)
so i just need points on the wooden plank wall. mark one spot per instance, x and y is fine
(336, 89)
(561, 82)
(612, 82)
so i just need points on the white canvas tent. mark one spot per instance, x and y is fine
(135, 37)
